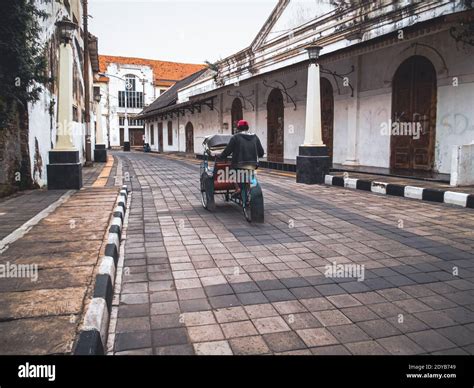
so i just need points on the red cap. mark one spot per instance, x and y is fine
(241, 123)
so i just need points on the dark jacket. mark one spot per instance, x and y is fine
(245, 149)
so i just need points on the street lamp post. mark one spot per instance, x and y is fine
(64, 169)
(313, 161)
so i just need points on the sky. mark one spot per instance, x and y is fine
(190, 31)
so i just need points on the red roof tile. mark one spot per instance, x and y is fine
(165, 73)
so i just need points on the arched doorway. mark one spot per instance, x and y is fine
(189, 137)
(275, 126)
(327, 114)
(413, 130)
(236, 113)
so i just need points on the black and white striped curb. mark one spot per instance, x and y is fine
(93, 334)
(433, 195)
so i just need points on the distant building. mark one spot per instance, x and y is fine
(146, 79)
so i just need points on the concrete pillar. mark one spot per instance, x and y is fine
(65, 99)
(100, 151)
(462, 165)
(64, 169)
(313, 161)
(353, 109)
(98, 113)
(313, 135)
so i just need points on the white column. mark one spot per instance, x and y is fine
(65, 99)
(126, 135)
(313, 132)
(98, 113)
(353, 108)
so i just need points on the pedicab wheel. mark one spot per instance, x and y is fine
(207, 192)
(255, 211)
(247, 213)
(247, 206)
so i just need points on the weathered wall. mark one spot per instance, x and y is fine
(358, 120)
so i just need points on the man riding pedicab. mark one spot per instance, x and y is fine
(245, 148)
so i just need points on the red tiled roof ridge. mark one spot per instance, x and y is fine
(165, 73)
(148, 59)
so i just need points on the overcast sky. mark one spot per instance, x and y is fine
(177, 30)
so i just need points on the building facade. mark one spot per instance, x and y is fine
(397, 85)
(66, 92)
(127, 86)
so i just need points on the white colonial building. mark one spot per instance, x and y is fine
(146, 79)
(397, 86)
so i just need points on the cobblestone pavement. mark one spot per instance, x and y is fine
(46, 275)
(19, 208)
(197, 282)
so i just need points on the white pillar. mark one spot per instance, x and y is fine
(126, 135)
(313, 131)
(100, 135)
(353, 109)
(65, 99)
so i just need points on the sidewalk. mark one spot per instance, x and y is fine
(47, 275)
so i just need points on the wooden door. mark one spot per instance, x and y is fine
(160, 137)
(275, 126)
(412, 140)
(136, 137)
(236, 113)
(189, 138)
(327, 114)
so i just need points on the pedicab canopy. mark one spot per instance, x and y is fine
(216, 142)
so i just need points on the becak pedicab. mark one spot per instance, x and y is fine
(219, 178)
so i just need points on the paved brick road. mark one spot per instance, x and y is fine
(210, 283)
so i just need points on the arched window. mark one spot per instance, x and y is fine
(189, 137)
(130, 82)
(275, 126)
(170, 133)
(327, 114)
(134, 98)
(236, 113)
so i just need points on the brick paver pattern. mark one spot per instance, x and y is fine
(197, 282)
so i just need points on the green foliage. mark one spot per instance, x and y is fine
(22, 62)
(212, 66)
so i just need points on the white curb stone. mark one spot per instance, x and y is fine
(454, 198)
(379, 187)
(107, 267)
(328, 179)
(413, 192)
(97, 318)
(350, 183)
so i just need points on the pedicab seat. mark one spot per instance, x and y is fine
(213, 146)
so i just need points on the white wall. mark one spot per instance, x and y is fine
(42, 121)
